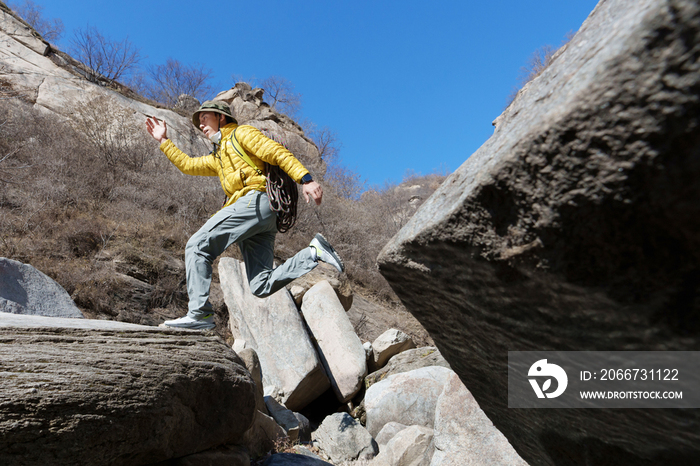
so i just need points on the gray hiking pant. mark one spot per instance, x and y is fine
(250, 223)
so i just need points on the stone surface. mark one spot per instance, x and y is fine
(260, 438)
(407, 361)
(284, 417)
(342, 438)
(340, 348)
(304, 427)
(292, 459)
(388, 344)
(464, 436)
(115, 396)
(576, 226)
(338, 281)
(25, 290)
(273, 327)
(252, 363)
(408, 398)
(388, 432)
(409, 447)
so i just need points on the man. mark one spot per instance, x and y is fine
(246, 218)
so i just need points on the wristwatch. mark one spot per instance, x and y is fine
(306, 178)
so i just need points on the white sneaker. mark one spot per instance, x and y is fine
(326, 253)
(203, 323)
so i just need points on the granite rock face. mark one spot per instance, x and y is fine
(576, 226)
(25, 290)
(116, 394)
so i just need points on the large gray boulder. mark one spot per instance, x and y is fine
(273, 327)
(343, 439)
(463, 435)
(25, 290)
(411, 446)
(576, 226)
(408, 398)
(341, 350)
(388, 344)
(96, 392)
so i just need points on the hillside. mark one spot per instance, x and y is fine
(89, 199)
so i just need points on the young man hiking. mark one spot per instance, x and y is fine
(246, 218)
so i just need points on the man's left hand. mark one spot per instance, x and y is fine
(314, 190)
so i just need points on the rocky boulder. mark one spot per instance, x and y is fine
(79, 391)
(273, 327)
(407, 361)
(388, 344)
(408, 398)
(25, 290)
(343, 439)
(340, 348)
(576, 226)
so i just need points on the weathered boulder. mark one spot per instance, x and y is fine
(408, 398)
(388, 344)
(339, 346)
(262, 434)
(411, 446)
(252, 363)
(273, 327)
(388, 432)
(407, 361)
(97, 392)
(25, 290)
(338, 281)
(576, 226)
(342, 438)
(284, 417)
(463, 435)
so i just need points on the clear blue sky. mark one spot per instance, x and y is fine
(406, 85)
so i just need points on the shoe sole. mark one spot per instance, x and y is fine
(326, 245)
(192, 327)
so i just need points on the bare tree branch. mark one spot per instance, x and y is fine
(280, 92)
(104, 57)
(50, 29)
(174, 78)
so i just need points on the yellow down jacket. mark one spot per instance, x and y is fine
(236, 176)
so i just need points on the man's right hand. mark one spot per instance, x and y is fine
(157, 128)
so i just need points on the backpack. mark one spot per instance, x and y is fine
(282, 190)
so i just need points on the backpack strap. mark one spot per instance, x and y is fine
(243, 154)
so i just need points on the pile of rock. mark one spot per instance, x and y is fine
(144, 395)
(404, 405)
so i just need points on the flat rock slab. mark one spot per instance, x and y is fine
(117, 396)
(576, 226)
